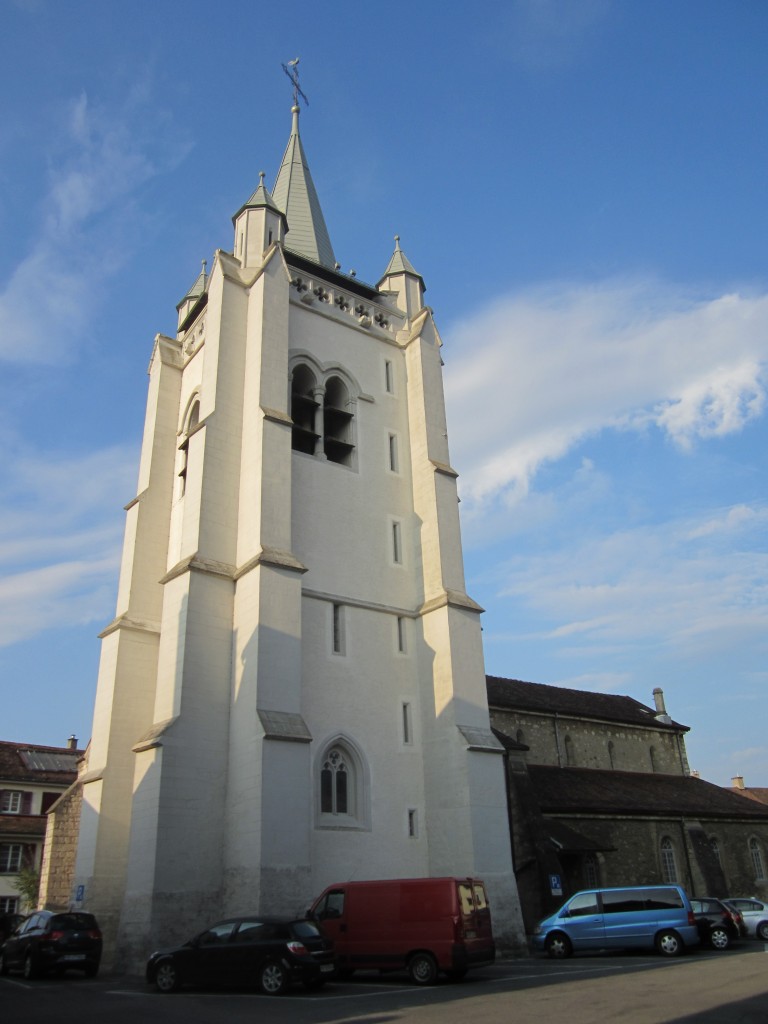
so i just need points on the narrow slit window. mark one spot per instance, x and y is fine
(397, 544)
(393, 459)
(413, 823)
(401, 634)
(389, 378)
(407, 729)
(338, 629)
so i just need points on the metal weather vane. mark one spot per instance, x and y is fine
(292, 70)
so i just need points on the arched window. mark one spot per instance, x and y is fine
(520, 737)
(342, 794)
(322, 410)
(337, 796)
(757, 858)
(668, 862)
(304, 406)
(337, 422)
(570, 753)
(193, 418)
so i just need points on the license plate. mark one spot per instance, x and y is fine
(326, 968)
(72, 956)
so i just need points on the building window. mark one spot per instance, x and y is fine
(715, 846)
(400, 627)
(591, 871)
(336, 793)
(322, 416)
(520, 737)
(389, 377)
(611, 754)
(397, 544)
(757, 859)
(192, 421)
(9, 904)
(413, 823)
(10, 858)
(668, 862)
(407, 725)
(10, 802)
(652, 752)
(394, 463)
(337, 629)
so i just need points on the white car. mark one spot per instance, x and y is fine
(755, 914)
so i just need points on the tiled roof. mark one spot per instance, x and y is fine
(596, 791)
(517, 695)
(33, 763)
(758, 793)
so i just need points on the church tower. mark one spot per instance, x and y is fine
(292, 692)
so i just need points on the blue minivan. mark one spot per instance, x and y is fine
(639, 917)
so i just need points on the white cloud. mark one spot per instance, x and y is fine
(533, 374)
(88, 227)
(61, 530)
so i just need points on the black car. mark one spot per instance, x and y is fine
(266, 952)
(718, 924)
(48, 941)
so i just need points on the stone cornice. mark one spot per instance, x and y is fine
(272, 557)
(451, 599)
(353, 602)
(153, 737)
(125, 622)
(205, 565)
(440, 467)
(276, 416)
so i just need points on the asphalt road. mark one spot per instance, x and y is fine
(699, 988)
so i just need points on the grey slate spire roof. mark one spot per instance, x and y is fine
(260, 197)
(400, 264)
(294, 194)
(199, 287)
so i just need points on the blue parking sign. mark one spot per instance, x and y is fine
(556, 885)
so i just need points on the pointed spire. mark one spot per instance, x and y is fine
(400, 264)
(260, 198)
(295, 195)
(198, 288)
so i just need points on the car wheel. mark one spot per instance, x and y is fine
(167, 977)
(669, 943)
(762, 931)
(30, 969)
(558, 946)
(273, 979)
(422, 968)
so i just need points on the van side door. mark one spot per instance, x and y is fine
(582, 921)
(329, 911)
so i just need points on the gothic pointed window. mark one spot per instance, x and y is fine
(337, 422)
(304, 411)
(337, 784)
(193, 419)
(757, 859)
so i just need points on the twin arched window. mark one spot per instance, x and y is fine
(342, 793)
(322, 416)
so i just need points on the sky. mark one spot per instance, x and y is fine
(582, 185)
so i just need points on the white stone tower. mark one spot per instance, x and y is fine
(293, 691)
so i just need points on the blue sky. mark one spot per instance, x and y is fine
(581, 184)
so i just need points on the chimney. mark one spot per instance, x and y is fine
(695, 774)
(72, 742)
(661, 710)
(738, 781)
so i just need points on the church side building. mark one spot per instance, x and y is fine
(292, 692)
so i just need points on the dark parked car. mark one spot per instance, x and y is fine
(265, 952)
(718, 924)
(8, 925)
(47, 941)
(754, 913)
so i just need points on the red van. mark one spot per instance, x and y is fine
(423, 925)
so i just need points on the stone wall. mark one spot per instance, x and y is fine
(58, 866)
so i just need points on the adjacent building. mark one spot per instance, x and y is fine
(32, 778)
(600, 793)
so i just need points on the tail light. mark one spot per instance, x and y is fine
(298, 949)
(94, 933)
(56, 935)
(691, 917)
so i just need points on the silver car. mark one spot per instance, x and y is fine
(755, 914)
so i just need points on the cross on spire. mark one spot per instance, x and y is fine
(292, 70)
